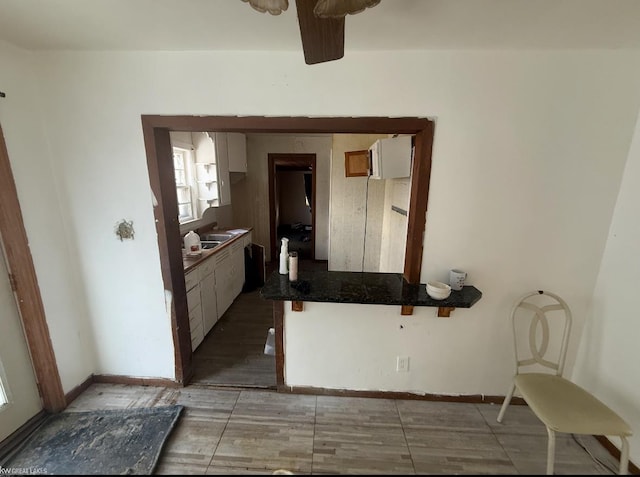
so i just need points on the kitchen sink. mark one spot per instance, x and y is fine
(219, 237)
(209, 244)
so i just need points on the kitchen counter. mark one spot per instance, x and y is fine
(190, 262)
(361, 287)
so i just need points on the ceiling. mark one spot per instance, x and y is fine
(392, 25)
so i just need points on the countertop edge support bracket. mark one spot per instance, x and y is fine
(297, 305)
(406, 310)
(445, 311)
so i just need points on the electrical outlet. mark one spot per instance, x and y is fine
(402, 364)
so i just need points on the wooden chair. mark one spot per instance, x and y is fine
(560, 404)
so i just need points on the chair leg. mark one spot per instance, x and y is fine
(506, 402)
(551, 451)
(624, 456)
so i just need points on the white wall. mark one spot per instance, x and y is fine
(350, 217)
(528, 156)
(606, 362)
(53, 238)
(394, 225)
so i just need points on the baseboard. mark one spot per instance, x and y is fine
(615, 452)
(468, 398)
(11, 442)
(117, 379)
(79, 389)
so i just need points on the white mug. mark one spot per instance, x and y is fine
(457, 278)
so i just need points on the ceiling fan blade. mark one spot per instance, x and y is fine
(322, 38)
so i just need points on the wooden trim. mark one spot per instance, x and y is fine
(278, 324)
(314, 231)
(406, 309)
(22, 275)
(156, 130)
(272, 210)
(257, 124)
(470, 398)
(615, 452)
(79, 389)
(133, 381)
(162, 181)
(420, 179)
(17, 437)
(445, 311)
(297, 305)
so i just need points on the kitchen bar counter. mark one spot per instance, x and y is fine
(191, 262)
(362, 287)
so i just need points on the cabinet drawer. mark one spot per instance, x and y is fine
(191, 279)
(207, 268)
(246, 240)
(236, 247)
(195, 318)
(193, 298)
(220, 257)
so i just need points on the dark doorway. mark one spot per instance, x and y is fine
(292, 203)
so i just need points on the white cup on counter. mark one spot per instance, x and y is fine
(457, 278)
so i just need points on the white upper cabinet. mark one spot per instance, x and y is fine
(237, 145)
(391, 157)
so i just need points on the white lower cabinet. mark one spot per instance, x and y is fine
(237, 268)
(224, 292)
(212, 286)
(208, 295)
(194, 305)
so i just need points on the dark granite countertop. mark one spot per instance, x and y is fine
(361, 287)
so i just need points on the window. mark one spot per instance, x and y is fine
(182, 165)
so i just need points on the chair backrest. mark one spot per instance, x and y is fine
(535, 316)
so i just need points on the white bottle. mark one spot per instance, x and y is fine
(284, 256)
(192, 242)
(293, 266)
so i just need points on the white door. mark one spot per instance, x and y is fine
(19, 397)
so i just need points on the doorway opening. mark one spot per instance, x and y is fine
(162, 180)
(292, 203)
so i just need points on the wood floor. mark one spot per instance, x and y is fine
(250, 431)
(232, 354)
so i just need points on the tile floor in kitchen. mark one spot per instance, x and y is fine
(256, 431)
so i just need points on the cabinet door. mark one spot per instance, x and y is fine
(222, 161)
(246, 240)
(209, 302)
(237, 143)
(194, 305)
(237, 258)
(223, 281)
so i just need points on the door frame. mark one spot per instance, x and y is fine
(162, 181)
(24, 282)
(290, 160)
